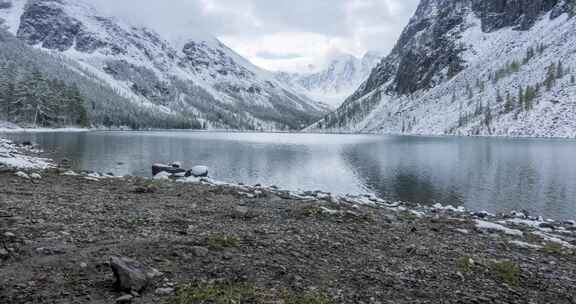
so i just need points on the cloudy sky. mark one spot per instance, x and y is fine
(288, 35)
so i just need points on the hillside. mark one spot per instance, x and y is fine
(195, 77)
(472, 68)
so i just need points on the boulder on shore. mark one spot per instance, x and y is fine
(199, 171)
(157, 168)
(130, 274)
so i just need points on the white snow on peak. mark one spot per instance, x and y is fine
(10, 12)
(338, 80)
(441, 109)
(196, 58)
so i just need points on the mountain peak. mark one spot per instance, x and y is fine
(331, 85)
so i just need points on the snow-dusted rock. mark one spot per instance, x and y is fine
(35, 176)
(22, 175)
(493, 227)
(162, 176)
(199, 171)
(70, 173)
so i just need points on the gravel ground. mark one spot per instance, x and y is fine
(58, 233)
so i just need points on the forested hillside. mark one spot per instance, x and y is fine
(143, 79)
(39, 89)
(473, 67)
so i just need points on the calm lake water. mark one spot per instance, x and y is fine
(478, 173)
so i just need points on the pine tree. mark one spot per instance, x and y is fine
(550, 77)
(488, 116)
(521, 98)
(559, 70)
(469, 91)
(498, 97)
(529, 55)
(529, 97)
(509, 106)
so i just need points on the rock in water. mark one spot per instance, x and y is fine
(130, 275)
(199, 171)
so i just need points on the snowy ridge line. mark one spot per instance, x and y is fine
(190, 80)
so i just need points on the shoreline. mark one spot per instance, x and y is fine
(60, 229)
(80, 130)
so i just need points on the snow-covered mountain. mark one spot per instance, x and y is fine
(337, 81)
(197, 76)
(473, 67)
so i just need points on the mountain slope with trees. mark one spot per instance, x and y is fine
(195, 81)
(472, 68)
(37, 88)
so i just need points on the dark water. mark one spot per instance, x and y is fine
(479, 173)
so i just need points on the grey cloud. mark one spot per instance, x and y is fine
(375, 24)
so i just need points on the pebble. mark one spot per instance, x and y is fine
(3, 253)
(22, 175)
(200, 251)
(9, 234)
(83, 265)
(125, 299)
(241, 211)
(164, 291)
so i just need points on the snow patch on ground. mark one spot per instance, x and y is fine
(489, 226)
(12, 156)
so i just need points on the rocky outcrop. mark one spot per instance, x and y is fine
(521, 14)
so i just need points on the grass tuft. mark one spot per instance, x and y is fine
(506, 271)
(217, 293)
(465, 264)
(222, 241)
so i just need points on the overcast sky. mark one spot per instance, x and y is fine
(288, 35)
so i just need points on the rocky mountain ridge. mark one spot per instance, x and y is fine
(472, 68)
(202, 79)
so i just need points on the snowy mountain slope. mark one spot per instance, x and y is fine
(473, 68)
(337, 81)
(201, 78)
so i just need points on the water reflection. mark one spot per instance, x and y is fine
(479, 173)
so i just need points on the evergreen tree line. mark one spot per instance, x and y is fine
(28, 97)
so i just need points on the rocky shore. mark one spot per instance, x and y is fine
(86, 238)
